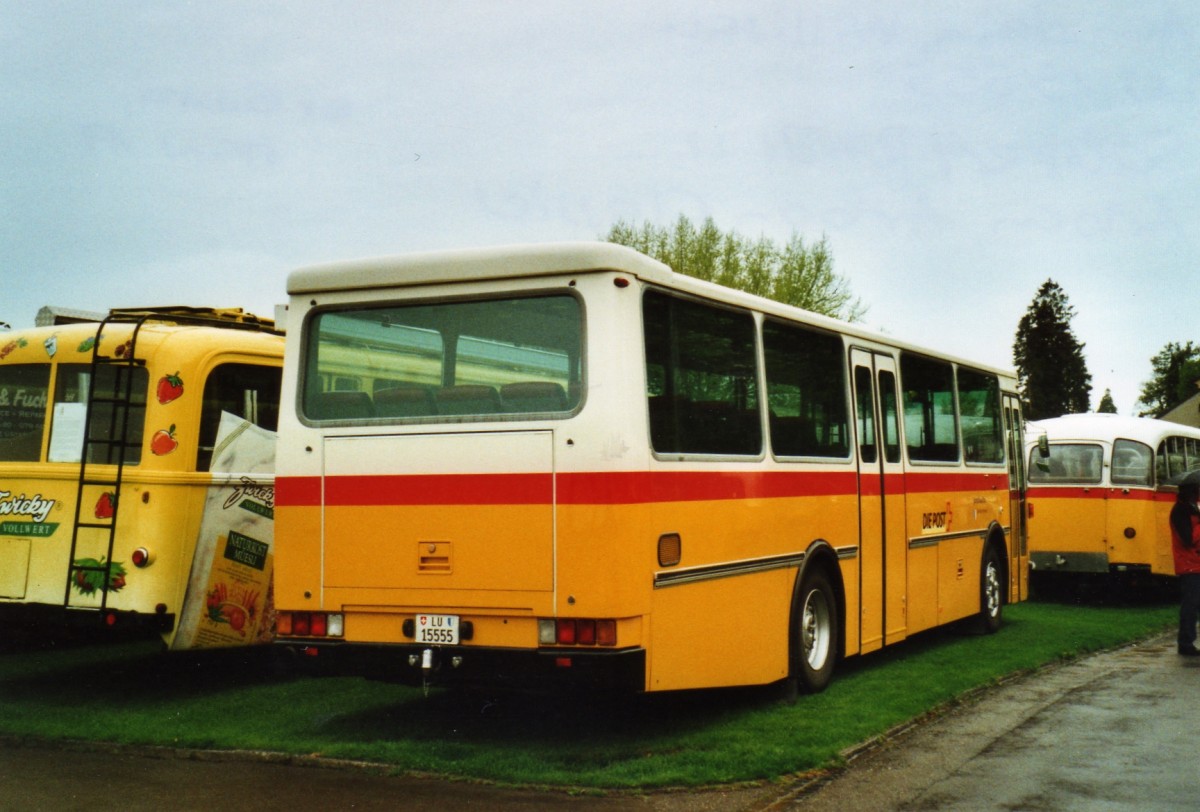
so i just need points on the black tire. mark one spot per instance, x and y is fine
(991, 592)
(814, 633)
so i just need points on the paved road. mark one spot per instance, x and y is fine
(1117, 731)
(1114, 731)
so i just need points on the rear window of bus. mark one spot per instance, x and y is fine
(461, 360)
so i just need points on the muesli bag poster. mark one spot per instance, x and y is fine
(229, 600)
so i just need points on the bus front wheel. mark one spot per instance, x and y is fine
(814, 634)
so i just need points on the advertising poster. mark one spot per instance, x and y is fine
(229, 601)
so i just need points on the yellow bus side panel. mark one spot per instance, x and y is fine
(703, 636)
(922, 588)
(14, 567)
(958, 577)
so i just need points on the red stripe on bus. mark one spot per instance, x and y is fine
(610, 488)
(298, 491)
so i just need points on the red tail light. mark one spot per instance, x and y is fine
(301, 624)
(584, 632)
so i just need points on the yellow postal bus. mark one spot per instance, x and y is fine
(131, 449)
(568, 462)
(1097, 501)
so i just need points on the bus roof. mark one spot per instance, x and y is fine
(468, 264)
(549, 259)
(1107, 427)
(71, 339)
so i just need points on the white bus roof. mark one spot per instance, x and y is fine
(430, 267)
(1107, 427)
(550, 259)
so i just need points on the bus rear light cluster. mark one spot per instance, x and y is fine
(577, 632)
(310, 624)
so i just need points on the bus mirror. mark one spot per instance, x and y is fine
(1042, 463)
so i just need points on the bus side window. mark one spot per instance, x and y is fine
(249, 391)
(23, 410)
(806, 391)
(931, 428)
(702, 378)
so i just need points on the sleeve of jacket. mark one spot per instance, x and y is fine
(1181, 524)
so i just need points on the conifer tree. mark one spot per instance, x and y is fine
(1052, 375)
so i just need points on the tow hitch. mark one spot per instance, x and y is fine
(430, 661)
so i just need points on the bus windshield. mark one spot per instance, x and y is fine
(1068, 463)
(460, 359)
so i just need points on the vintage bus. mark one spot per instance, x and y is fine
(1100, 496)
(136, 475)
(526, 464)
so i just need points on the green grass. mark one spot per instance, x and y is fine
(132, 694)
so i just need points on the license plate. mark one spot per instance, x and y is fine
(441, 629)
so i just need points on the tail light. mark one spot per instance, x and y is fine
(577, 632)
(310, 624)
(141, 557)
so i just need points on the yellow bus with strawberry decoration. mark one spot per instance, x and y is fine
(136, 475)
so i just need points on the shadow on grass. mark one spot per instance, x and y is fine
(114, 672)
(548, 719)
(567, 718)
(1104, 589)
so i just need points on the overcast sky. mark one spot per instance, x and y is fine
(955, 154)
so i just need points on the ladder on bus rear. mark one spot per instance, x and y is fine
(105, 443)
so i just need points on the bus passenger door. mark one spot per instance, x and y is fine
(882, 545)
(1018, 543)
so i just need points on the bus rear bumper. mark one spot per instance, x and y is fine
(536, 669)
(31, 622)
(1068, 562)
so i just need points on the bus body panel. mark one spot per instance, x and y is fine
(399, 513)
(701, 632)
(1135, 519)
(949, 514)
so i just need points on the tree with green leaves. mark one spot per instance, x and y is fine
(1106, 403)
(1052, 375)
(797, 273)
(1176, 373)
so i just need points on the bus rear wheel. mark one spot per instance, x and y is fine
(814, 634)
(991, 593)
